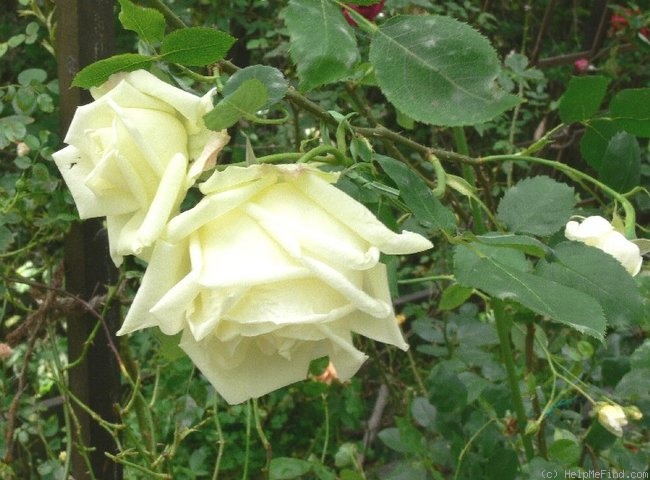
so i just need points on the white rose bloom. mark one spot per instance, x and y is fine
(133, 153)
(598, 232)
(273, 268)
(613, 418)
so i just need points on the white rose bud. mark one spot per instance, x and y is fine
(273, 268)
(598, 232)
(613, 418)
(132, 155)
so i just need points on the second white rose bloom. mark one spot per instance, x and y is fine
(133, 153)
(275, 267)
(598, 232)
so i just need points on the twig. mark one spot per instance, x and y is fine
(374, 422)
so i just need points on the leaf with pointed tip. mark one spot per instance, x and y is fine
(97, 73)
(148, 23)
(195, 46)
(323, 45)
(599, 275)
(631, 110)
(242, 103)
(582, 98)
(501, 272)
(438, 70)
(272, 78)
(538, 205)
(621, 163)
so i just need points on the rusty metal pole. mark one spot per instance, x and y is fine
(85, 34)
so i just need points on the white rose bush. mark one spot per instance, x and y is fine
(307, 239)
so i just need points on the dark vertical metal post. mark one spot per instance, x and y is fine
(85, 33)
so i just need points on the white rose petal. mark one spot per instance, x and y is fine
(133, 153)
(598, 232)
(263, 275)
(613, 418)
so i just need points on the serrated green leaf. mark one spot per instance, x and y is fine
(621, 163)
(631, 110)
(195, 46)
(148, 23)
(524, 243)
(594, 142)
(498, 275)
(272, 78)
(242, 103)
(538, 205)
(599, 275)
(417, 195)
(323, 45)
(582, 98)
(438, 70)
(97, 73)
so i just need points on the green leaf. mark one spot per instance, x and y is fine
(596, 139)
(599, 275)
(564, 451)
(438, 70)
(640, 358)
(392, 439)
(538, 205)
(417, 195)
(242, 103)
(195, 46)
(6, 238)
(36, 75)
(148, 23)
(631, 109)
(446, 391)
(524, 243)
(285, 468)
(454, 296)
(423, 412)
(621, 163)
(497, 272)
(582, 98)
(97, 73)
(323, 45)
(275, 83)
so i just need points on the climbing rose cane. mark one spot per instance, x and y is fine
(133, 153)
(598, 232)
(273, 268)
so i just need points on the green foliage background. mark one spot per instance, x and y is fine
(575, 323)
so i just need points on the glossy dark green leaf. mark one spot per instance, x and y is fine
(598, 275)
(438, 70)
(97, 73)
(242, 103)
(582, 98)
(621, 163)
(323, 45)
(195, 46)
(538, 205)
(148, 23)
(417, 195)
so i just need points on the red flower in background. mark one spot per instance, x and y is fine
(368, 11)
